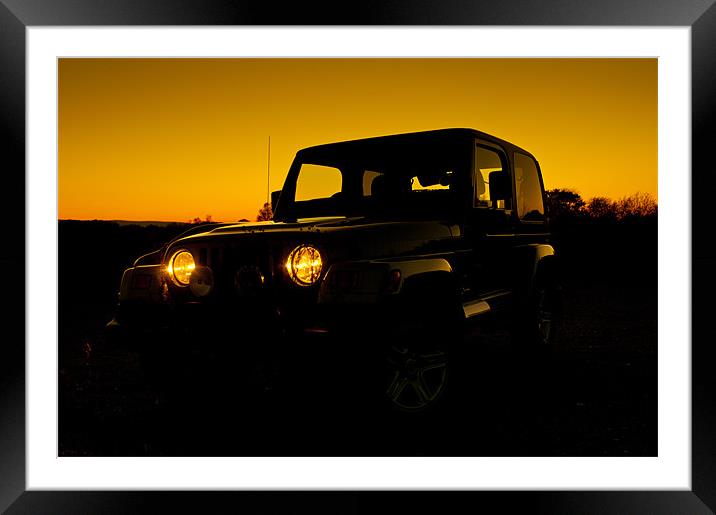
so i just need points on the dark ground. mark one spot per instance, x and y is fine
(593, 395)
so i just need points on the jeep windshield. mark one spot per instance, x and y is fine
(389, 179)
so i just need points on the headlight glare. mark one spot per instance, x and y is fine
(304, 265)
(181, 265)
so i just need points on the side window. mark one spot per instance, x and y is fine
(527, 186)
(437, 179)
(318, 181)
(368, 177)
(488, 160)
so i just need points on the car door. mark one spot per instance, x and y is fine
(489, 227)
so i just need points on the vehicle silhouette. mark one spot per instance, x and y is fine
(380, 251)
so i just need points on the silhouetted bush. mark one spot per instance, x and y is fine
(639, 205)
(564, 204)
(197, 220)
(265, 213)
(601, 208)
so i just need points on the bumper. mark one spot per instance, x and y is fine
(241, 321)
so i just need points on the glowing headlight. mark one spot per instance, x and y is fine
(181, 265)
(304, 265)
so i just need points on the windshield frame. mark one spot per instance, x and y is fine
(460, 153)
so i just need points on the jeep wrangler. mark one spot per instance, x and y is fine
(400, 239)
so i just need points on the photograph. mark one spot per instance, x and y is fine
(357, 256)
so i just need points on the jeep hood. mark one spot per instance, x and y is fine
(340, 236)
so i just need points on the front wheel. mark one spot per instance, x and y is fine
(418, 356)
(416, 377)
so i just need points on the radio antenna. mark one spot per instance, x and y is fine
(268, 173)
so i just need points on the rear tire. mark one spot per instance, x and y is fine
(536, 319)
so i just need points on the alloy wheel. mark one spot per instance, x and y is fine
(416, 379)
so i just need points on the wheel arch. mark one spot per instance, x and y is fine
(537, 262)
(425, 275)
(432, 287)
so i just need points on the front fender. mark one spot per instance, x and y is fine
(141, 300)
(142, 283)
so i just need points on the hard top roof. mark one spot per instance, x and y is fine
(414, 138)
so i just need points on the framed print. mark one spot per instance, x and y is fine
(255, 244)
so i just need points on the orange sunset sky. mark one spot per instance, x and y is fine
(174, 139)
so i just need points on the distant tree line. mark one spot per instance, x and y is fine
(565, 205)
(265, 213)
(197, 220)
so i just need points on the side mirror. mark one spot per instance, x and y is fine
(499, 185)
(274, 200)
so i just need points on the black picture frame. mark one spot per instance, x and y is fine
(17, 15)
